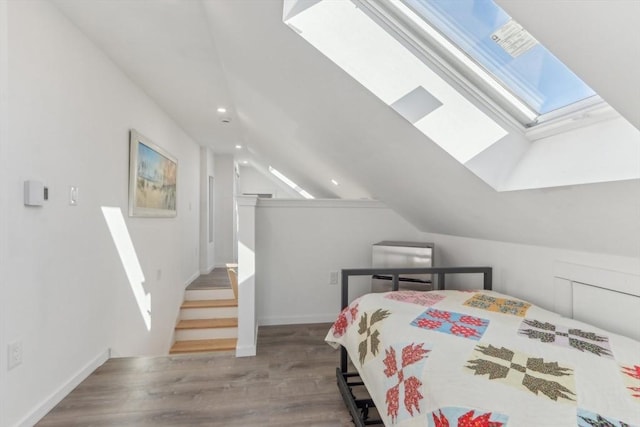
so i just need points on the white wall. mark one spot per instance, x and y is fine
(392, 161)
(252, 181)
(298, 244)
(207, 247)
(523, 271)
(65, 294)
(4, 137)
(224, 207)
(602, 152)
(247, 309)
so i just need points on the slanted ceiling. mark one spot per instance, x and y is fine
(294, 109)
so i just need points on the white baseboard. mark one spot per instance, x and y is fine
(207, 270)
(298, 320)
(248, 350)
(193, 277)
(56, 397)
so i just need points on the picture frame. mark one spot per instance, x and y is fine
(153, 176)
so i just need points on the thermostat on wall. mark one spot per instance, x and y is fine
(34, 193)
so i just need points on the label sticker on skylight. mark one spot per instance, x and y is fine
(514, 39)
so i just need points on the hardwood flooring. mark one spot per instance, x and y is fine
(291, 382)
(218, 278)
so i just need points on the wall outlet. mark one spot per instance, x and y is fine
(15, 354)
(333, 278)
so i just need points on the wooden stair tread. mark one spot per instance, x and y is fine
(198, 346)
(209, 303)
(231, 322)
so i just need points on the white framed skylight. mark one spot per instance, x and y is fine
(290, 183)
(507, 127)
(480, 38)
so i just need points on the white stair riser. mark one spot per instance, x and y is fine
(208, 313)
(205, 334)
(200, 294)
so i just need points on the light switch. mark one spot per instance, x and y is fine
(73, 195)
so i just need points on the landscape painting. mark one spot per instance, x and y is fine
(152, 179)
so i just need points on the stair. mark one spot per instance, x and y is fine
(208, 308)
(208, 321)
(207, 329)
(199, 346)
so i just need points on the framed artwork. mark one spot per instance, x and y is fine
(152, 179)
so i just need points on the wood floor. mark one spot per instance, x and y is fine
(218, 278)
(291, 382)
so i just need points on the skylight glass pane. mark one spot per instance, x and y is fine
(487, 34)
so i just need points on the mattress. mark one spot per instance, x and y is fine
(481, 358)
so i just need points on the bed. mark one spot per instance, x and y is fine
(473, 358)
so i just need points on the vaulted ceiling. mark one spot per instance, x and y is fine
(292, 108)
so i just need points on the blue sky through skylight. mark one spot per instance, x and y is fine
(488, 35)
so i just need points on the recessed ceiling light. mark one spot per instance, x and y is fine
(245, 162)
(222, 110)
(238, 146)
(334, 182)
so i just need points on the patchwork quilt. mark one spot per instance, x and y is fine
(474, 359)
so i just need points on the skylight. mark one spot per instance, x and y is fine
(476, 83)
(489, 36)
(290, 183)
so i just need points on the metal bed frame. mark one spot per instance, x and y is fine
(359, 408)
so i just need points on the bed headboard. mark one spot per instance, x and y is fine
(604, 298)
(439, 272)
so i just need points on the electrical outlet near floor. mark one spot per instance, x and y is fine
(15, 354)
(333, 278)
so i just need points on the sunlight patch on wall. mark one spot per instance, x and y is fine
(357, 44)
(290, 183)
(129, 258)
(247, 258)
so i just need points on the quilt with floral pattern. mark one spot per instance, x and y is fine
(481, 358)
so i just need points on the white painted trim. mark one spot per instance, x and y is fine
(320, 203)
(208, 270)
(618, 281)
(604, 298)
(247, 200)
(224, 264)
(298, 320)
(248, 350)
(56, 397)
(193, 277)
(607, 309)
